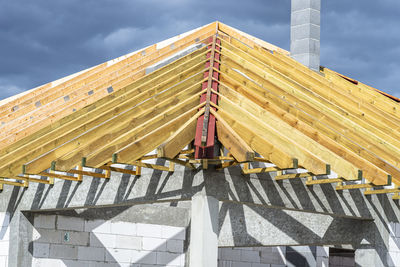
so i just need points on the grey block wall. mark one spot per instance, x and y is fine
(73, 241)
(305, 32)
(255, 210)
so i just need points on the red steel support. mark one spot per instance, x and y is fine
(206, 123)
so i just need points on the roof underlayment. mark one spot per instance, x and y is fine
(212, 97)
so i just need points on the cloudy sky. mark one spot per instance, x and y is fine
(43, 40)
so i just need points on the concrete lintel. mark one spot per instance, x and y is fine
(245, 225)
(300, 210)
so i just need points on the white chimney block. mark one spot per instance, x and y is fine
(305, 32)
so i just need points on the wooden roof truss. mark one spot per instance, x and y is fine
(236, 101)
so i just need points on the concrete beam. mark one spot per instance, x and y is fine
(257, 225)
(204, 231)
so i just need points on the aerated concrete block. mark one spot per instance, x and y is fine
(41, 250)
(154, 244)
(91, 254)
(175, 246)
(45, 221)
(149, 230)
(164, 258)
(98, 226)
(148, 257)
(70, 223)
(128, 242)
(102, 240)
(171, 232)
(250, 256)
(63, 251)
(123, 228)
(119, 255)
(49, 236)
(230, 254)
(75, 238)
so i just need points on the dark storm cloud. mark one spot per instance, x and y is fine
(41, 41)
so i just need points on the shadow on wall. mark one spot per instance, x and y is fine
(258, 196)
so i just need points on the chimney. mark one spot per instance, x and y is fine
(305, 32)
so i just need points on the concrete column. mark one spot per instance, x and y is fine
(204, 231)
(21, 236)
(305, 32)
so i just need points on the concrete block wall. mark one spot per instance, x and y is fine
(4, 238)
(393, 254)
(273, 257)
(300, 256)
(72, 241)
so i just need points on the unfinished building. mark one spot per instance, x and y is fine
(210, 148)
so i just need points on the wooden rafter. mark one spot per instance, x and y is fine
(263, 102)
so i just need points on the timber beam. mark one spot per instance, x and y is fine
(363, 185)
(247, 170)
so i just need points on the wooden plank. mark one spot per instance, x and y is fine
(88, 173)
(36, 180)
(379, 101)
(289, 139)
(104, 109)
(260, 170)
(371, 171)
(115, 169)
(37, 150)
(354, 186)
(366, 123)
(240, 150)
(109, 131)
(150, 166)
(153, 139)
(317, 83)
(179, 140)
(34, 95)
(304, 116)
(182, 162)
(227, 165)
(104, 136)
(139, 58)
(369, 191)
(33, 125)
(396, 196)
(324, 181)
(248, 39)
(316, 126)
(342, 186)
(60, 176)
(264, 146)
(23, 184)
